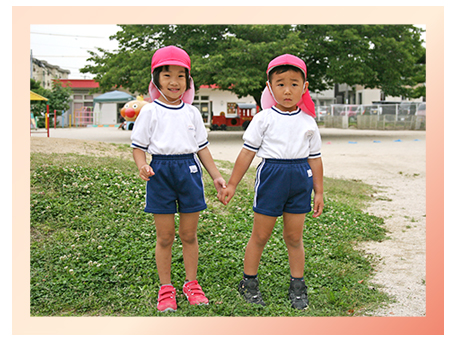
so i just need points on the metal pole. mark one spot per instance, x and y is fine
(47, 120)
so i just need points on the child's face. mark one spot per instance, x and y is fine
(173, 83)
(288, 88)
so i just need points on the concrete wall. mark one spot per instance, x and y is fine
(106, 113)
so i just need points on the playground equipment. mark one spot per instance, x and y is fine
(33, 122)
(82, 117)
(131, 110)
(242, 118)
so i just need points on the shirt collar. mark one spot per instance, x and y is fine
(292, 113)
(167, 106)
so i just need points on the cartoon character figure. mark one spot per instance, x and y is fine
(131, 109)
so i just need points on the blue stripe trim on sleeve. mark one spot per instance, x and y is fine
(315, 155)
(133, 145)
(250, 147)
(203, 145)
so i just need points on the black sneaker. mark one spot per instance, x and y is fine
(298, 294)
(249, 290)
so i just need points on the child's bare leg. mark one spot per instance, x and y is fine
(261, 231)
(187, 233)
(165, 229)
(292, 233)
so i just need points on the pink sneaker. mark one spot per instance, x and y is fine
(167, 299)
(194, 293)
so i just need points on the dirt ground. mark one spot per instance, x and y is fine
(392, 161)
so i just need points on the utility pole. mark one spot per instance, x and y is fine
(31, 65)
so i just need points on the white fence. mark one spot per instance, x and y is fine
(400, 116)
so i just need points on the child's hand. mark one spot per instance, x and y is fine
(225, 195)
(220, 184)
(318, 205)
(145, 172)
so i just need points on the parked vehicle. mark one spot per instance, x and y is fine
(374, 110)
(351, 110)
(322, 111)
(386, 107)
(407, 108)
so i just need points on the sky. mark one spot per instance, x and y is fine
(66, 46)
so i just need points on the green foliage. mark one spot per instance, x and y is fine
(38, 106)
(129, 69)
(58, 98)
(375, 56)
(92, 247)
(235, 57)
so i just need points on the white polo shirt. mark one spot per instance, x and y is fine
(283, 135)
(162, 129)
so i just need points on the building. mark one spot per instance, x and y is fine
(84, 111)
(210, 101)
(45, 73)
(359, 95)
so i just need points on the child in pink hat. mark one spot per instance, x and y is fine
(285, 135)
(173, 132)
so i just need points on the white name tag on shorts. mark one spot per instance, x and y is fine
(309, 173)
(193, 169)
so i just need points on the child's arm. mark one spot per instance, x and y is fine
(145, 171)
(208, 163)
(241, 166)
(316, 165)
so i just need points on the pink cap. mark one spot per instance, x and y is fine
(305, 103)
(171, 55)
(288, 59)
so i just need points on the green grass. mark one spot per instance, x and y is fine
(92, 246)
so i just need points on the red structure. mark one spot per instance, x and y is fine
(242, 118)
(79, 83)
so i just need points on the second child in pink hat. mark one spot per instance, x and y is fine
(172, 131)
(285, 135)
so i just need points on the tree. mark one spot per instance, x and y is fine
(419, 78)
(239, 62)
(58, 98)
(375, 56)
(235, 57)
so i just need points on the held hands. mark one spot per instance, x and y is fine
(219, 184)
(226, 194)
(145, 172)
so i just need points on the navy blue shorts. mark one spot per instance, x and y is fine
(283, 185)
(176, 186)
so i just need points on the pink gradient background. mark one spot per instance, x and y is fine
(432, 323)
